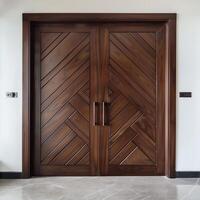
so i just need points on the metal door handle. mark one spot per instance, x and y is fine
(95, 113)
(105, 113)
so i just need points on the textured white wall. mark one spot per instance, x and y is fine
(188, 69)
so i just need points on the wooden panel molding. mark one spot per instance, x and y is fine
(128, 116)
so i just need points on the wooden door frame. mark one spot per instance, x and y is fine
(170, 68)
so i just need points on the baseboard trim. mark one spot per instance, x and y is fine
(18, 175)
(10, 175)
(187, 174)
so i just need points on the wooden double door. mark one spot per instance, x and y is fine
(99, 99)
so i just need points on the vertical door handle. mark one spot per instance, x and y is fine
(95, 113)
(105, 113)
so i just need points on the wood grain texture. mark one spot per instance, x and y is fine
(133, 85)
(144, 38)
(99, 17)
(171, 100)
(26, 114)
(62, 99)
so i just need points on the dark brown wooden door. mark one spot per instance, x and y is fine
(132, 58)
(65, 135)
(99, 99)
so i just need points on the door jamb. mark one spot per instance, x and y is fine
(170, 95)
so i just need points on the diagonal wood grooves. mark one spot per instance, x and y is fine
(116, 89)
(138, 52)
(64, 86)
(67, 60)
(49, 65)
(134, 81)
(42, 50)
(85, 96)
(125, 114)
(146, 146)
(144, 152)
(70, 58)
(84, 160)
(125, 126)
(132, 94)
(85, 116)
(118, 145)
(58, 149)
(117, 154)
(79, 152)
(67, 152)
(117, 105)
(44, 140)
(77, 122)
(73, 77)
(132, 74)
(149, 38)
(43, 56)
(56, 121)
(141, 132)
(53, 150)
(46, 39)
(83, 50)
(128, 155)
(148, 72)
(77, 131)
(68, 92)
(65, 103)
(140, 78)
(120, 155)
(144, 43)
(119, 71)
(59, 79)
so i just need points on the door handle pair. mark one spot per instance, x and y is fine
(105, 113)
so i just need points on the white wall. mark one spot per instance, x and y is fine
(188, 69)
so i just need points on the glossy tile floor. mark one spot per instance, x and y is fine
(100, 188)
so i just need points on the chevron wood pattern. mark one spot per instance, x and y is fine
(64, 112)
(63, 99)
(99, 94)
(132, 111)
(96, 109)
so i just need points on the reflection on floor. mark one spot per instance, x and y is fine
(100, 188)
